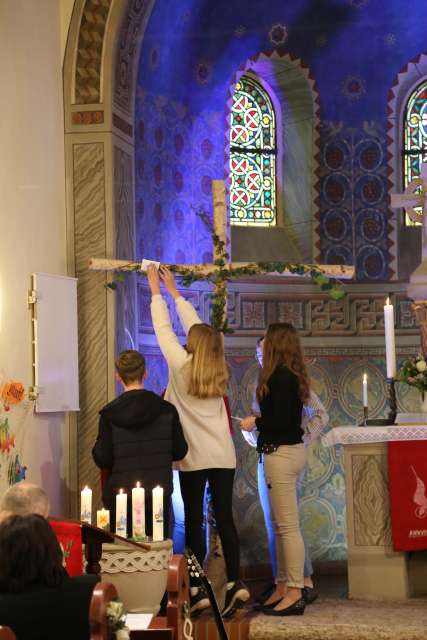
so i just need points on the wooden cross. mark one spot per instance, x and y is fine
(415, 197)
(220, 274)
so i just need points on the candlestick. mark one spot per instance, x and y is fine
(138, 511)
(365, 389)
(86, 505)
(121, 513)
(390, 346)
(158, 513)
(103, 519)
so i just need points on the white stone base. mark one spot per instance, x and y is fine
(139, 575)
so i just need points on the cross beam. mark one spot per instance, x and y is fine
(221, 271)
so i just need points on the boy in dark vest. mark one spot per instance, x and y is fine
(139, 438)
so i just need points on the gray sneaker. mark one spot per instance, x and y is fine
(199, 601)
(235, 598)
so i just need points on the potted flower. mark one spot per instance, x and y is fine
(414, 373)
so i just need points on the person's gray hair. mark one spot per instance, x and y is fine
(24, 498)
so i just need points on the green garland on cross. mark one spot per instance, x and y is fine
(222, 273)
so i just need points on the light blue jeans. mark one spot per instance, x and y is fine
(263, 496)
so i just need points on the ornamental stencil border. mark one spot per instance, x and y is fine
(88, 67)
(305, 71)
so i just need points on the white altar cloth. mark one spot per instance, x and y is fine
(369, 435)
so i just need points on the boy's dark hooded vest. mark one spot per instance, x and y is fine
(140, 436)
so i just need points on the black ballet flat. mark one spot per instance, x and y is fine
(295, 609)
(260, 607)
(309, 595)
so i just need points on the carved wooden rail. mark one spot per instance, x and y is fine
(102, 595)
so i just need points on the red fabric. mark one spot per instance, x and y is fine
(104, 476)
(227, 408)
(407, 468)
(69, 536)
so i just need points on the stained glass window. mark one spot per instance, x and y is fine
(252, 156)
(415, 137)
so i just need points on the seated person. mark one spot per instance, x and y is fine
(23, 498)
(139, 438)
(38, 601)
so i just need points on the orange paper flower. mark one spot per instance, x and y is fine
(12, 393)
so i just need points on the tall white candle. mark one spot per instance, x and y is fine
(138, 511)
(158, 531)
(103, 519)
(390, 346)
(365, 389)
(86, 505)
(121, 513)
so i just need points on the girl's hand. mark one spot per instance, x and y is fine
(153, 279)
(248, 423)
(169, 281)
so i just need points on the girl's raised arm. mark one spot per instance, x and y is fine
(186, 312)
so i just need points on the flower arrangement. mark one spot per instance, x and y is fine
(116, 617)
(414, 373)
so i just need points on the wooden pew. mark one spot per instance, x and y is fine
(103, 593)
(6, 634)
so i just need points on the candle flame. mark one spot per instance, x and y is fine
(387, 301)
(138, 485)
(365, 377)
(86, 488)
(121, 491)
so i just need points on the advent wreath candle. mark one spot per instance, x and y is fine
(86, 505)
(138, 511)
(390, 346)
(121, 513)
(158, 531)
(103, 519)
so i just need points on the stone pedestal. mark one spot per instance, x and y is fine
(139, 575)
(375, 571)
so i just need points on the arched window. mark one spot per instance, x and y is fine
(415, 137)
(252, 156)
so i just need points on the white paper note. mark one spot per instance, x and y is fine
(146, 263)
(138, 621)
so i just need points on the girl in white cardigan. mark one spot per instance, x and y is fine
(198, 378)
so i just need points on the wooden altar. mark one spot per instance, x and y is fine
(375, 570)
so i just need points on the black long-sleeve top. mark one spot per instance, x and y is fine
(281, 410)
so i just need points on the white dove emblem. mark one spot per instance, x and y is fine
(420, 497)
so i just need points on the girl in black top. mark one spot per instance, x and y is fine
(282, 390)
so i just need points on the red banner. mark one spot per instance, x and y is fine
(407, 469)
(69, 536)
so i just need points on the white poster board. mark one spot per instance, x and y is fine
(55, 343)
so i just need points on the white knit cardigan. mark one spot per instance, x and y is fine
(204, 421)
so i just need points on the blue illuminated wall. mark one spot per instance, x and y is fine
(191, 52)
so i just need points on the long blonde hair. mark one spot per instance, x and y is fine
(282, 346)
(208, 369)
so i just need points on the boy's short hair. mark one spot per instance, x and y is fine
(130, 366)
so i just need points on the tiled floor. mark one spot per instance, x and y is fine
(329, 586)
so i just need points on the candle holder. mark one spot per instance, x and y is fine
(364, 417)
(392, 403)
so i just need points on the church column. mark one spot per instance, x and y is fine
(99, 178)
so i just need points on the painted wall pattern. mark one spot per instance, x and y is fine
(191, 52)
(354, 211)
(125, 249)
